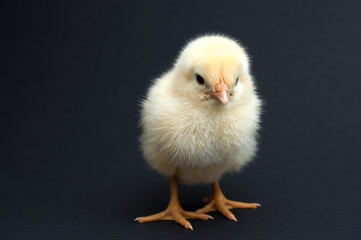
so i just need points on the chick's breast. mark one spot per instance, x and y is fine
(196, 144)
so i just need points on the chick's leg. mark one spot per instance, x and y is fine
(218, 202)
(174, 211)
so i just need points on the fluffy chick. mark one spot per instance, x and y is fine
(199, 121)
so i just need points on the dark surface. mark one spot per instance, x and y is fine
(72, 75)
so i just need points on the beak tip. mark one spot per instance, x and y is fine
(220, 92)
(221, 96)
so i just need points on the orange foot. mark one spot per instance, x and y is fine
(174, 211)
(218, 202)
(176, 214)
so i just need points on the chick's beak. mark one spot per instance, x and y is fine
(220, 93)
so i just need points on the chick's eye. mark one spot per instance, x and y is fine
(200, 80)
(236, 81)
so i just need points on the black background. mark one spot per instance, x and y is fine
(72, 76)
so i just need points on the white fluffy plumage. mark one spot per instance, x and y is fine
(191, 135)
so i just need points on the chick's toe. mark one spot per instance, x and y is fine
(218, 202)
(174, 211)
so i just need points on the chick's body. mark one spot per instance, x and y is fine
(196, 143)
(199, 121)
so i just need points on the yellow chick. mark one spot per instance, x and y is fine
(199, 121)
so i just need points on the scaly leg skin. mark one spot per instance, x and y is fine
(218, 202)
(174, 211)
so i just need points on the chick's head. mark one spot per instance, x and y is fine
(212, 70)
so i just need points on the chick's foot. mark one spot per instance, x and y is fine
(174, 211)
(218, 202)
(176, 214)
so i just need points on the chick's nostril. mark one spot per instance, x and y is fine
(219, 88)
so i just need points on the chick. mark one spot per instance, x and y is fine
(199, 121)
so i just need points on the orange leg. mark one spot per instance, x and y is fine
(174, 211)
(218, 202)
